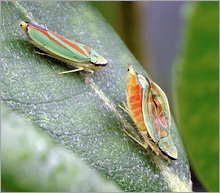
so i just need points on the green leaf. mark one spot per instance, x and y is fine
(198, 88)
(82, 117)
(36, 157)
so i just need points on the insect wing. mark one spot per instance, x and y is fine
(160, 99)
(157, 117)
(57, 44)
(148, 108)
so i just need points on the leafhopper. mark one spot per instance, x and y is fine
(76, 55)
(148, 107)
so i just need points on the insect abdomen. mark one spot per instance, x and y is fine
(134, 104)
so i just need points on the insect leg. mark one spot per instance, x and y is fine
(146, 140)
(124, 107)
(41, 53)
(144, 145)
(69, 71)
(89, 70)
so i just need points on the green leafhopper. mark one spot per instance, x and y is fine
(54, 45)
(148, 107)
